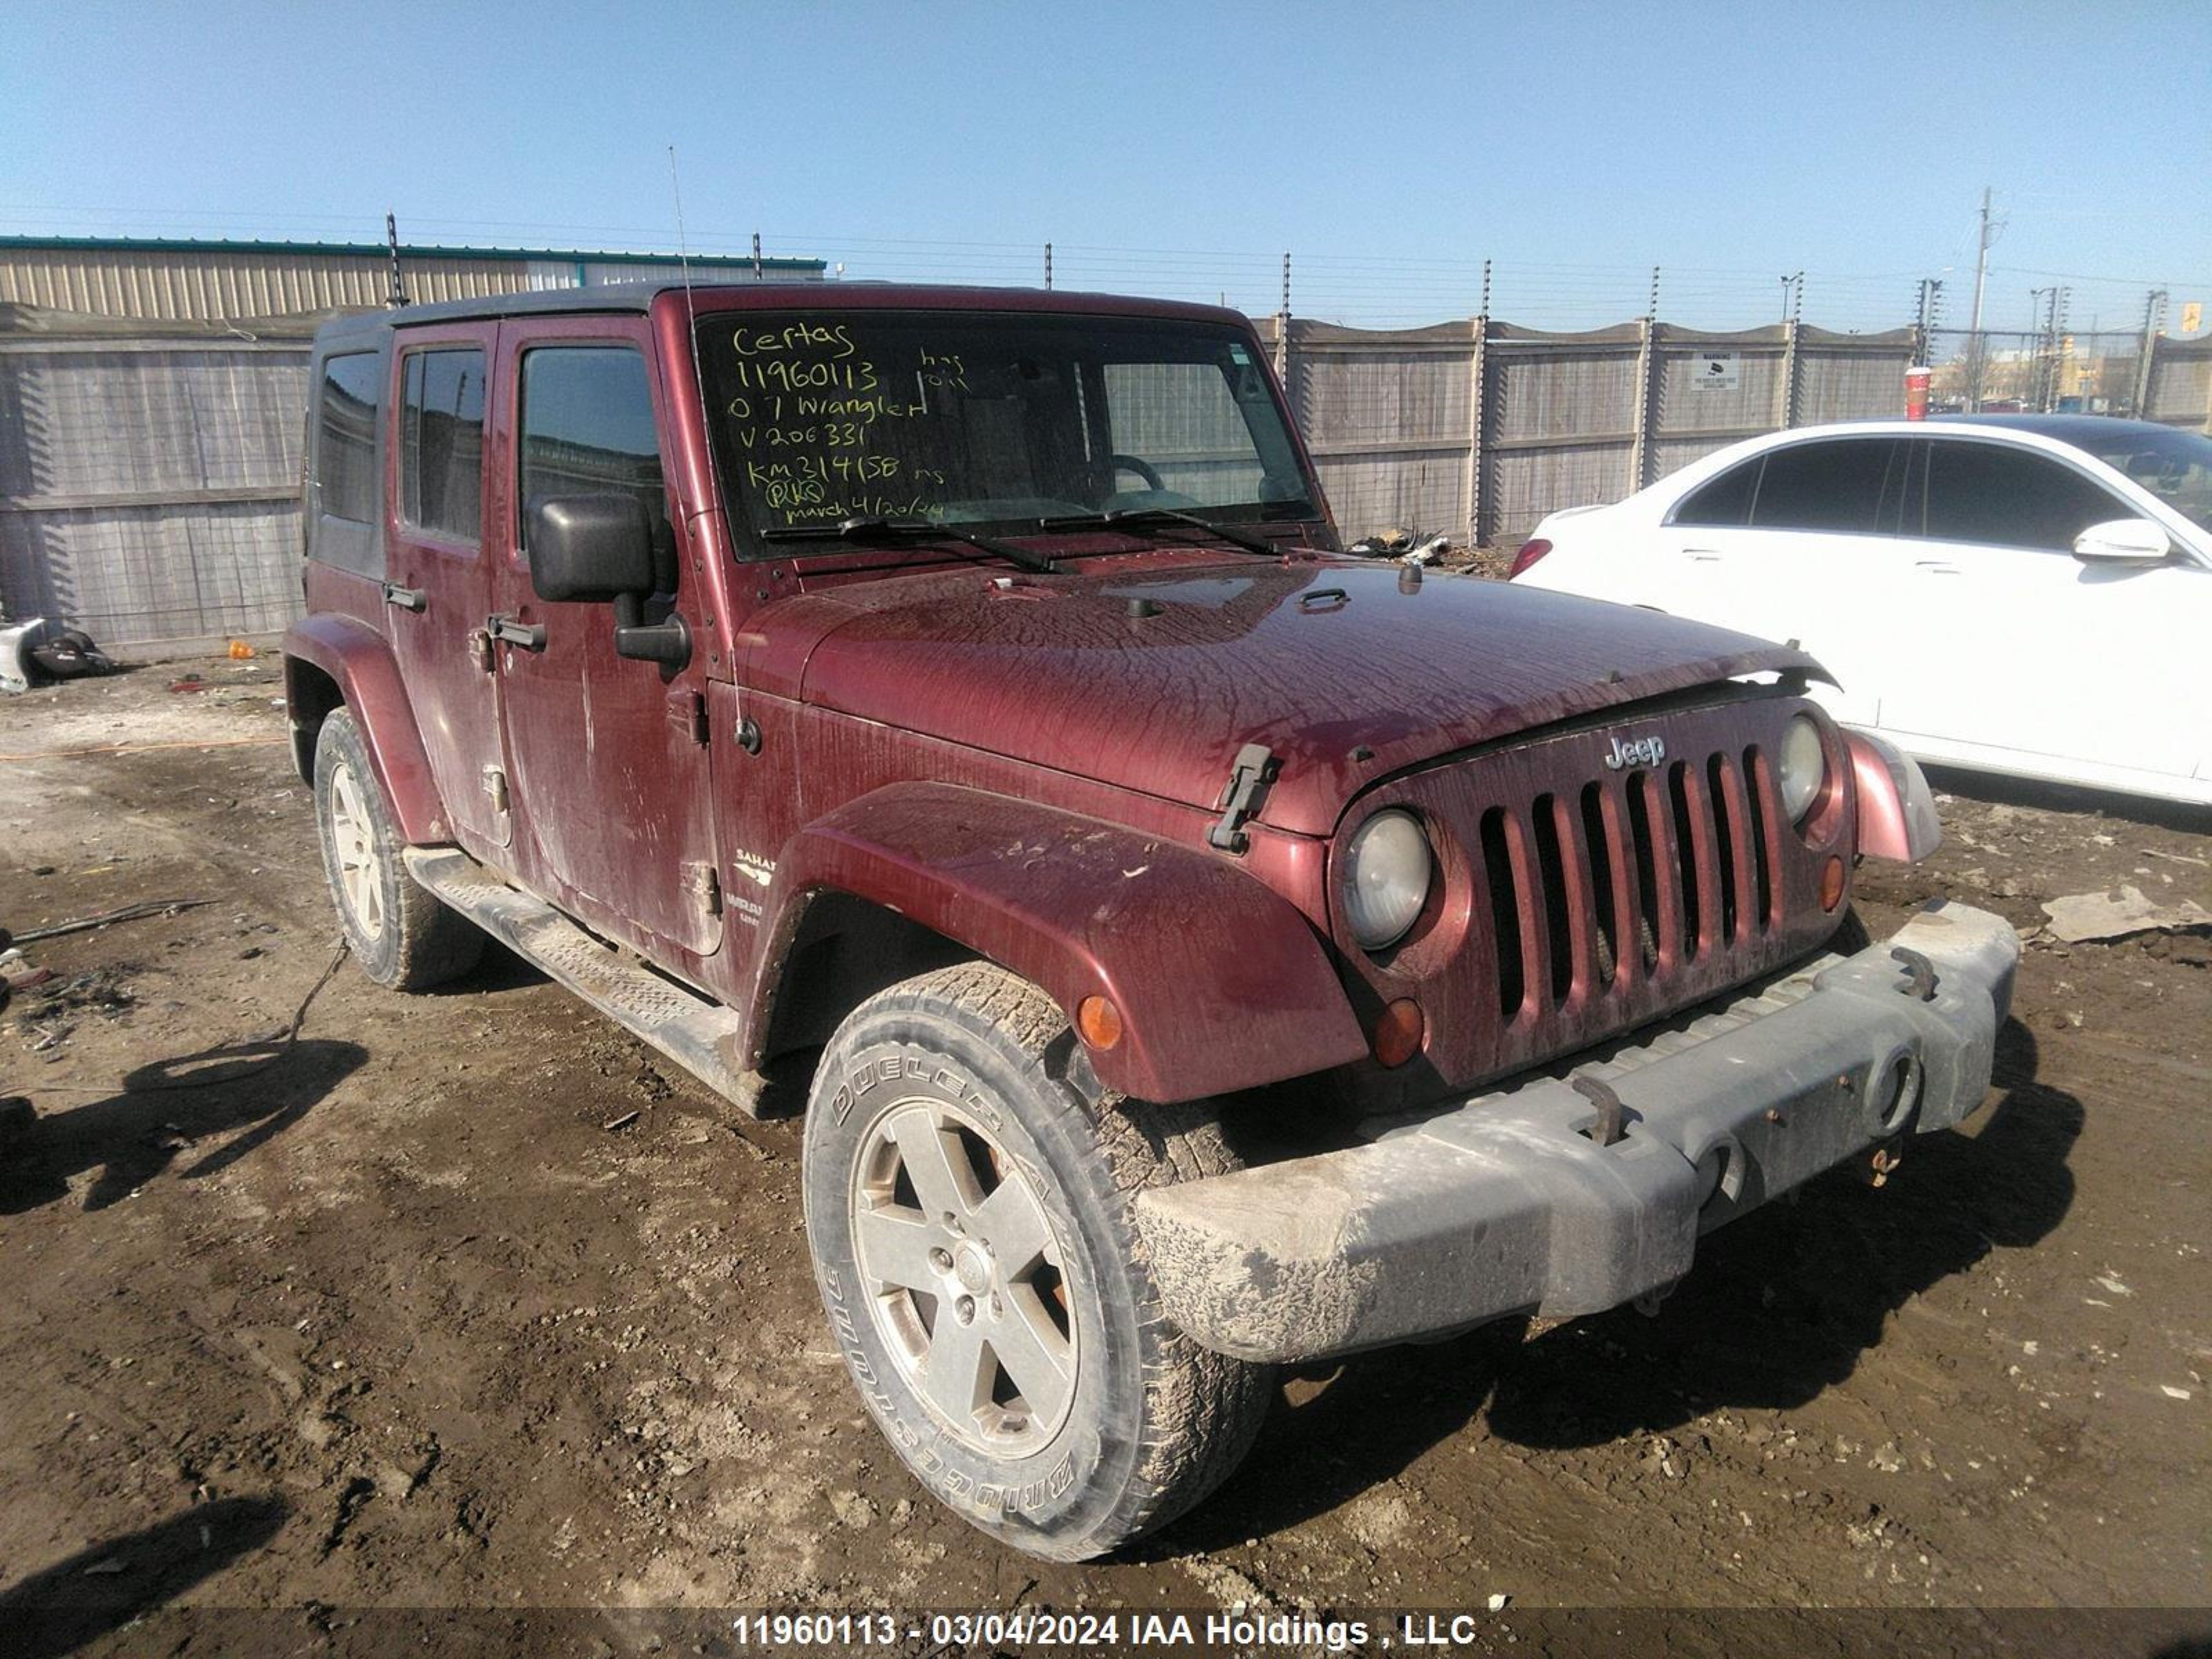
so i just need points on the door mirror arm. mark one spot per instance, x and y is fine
(668, 643)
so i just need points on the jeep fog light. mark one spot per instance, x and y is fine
(1388, 867)
(1804, 765)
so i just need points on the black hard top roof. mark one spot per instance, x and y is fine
(2084, 431)
(367, 328)
(598, 296)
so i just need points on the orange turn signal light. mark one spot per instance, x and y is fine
(1399, 1033)
(1098, 1021)
(1832, 882)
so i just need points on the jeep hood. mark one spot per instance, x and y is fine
(1154, 678)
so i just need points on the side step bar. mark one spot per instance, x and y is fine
(695, 1032)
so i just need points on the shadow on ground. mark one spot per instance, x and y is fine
(1779, 1307)
(195, 1104)
(1993, 787)
(104, 1587)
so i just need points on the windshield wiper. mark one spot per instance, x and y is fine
(1136, 515)
(909, 530)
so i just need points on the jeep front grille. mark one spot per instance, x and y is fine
(1630, 876)
(1594, 901)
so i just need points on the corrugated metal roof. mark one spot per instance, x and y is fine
(209, 281)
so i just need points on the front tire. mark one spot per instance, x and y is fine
(968, 1208)
(397, 930)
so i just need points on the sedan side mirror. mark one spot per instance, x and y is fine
(2123, 541)
(599, 548)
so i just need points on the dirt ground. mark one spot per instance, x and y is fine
(467, 1302)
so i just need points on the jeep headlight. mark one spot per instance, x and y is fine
(1388, 867)
(1803, 766)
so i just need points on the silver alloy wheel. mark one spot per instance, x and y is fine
(965, 1277)
(352, 839)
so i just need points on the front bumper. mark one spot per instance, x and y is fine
(1510, 1203)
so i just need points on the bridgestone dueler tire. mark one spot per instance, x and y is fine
(1155, 1422)
(418, 943)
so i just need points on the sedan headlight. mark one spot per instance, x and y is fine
(1388, 867)
(1804, 765)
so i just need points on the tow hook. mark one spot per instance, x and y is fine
(1884, 1164)
(1922, 983)
(1611, 1124)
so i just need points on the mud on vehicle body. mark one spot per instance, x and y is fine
(963, 689)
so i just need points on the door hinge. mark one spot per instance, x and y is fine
(495, 785)
(687, 712)
(480, 649)
(704, 886)
(1240, 798)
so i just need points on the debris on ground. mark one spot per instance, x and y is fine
(108, 917)
(2080, 918)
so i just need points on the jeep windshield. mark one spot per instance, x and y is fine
(991, 422)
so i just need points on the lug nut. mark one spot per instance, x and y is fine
(941, 1258)
(964, 1309)
(998, 1304)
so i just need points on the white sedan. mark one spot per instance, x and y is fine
(2028, 594)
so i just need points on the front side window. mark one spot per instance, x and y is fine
(2174, 466)
(2004, 497)
(441, 413)
(1849, 485)
(991, 420)
(347, 405)
(586, 427)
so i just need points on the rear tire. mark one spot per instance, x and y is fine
(397, 930)
(968, 1206)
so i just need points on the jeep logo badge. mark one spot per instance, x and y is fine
(1637, 751)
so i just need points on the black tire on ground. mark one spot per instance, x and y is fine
(1146, 1423)
(399, 932)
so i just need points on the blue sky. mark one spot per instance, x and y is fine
(1173, 147)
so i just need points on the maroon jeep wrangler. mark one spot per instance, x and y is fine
(1220, 951)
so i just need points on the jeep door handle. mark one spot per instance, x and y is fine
(1701, 555)
(1935, 567)
(530, 636)
(406, 599)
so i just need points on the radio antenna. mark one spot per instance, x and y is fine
(684, 261)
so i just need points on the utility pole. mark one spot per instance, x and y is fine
(2039, 330)
(1283, 328)
(396, 293)
(1975, 356)
(2153, 324)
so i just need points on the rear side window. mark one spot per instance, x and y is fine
(345, 445)
(441, 413)
(587, 426)
(2005, 497)
(1723, 501)
(1852, 486)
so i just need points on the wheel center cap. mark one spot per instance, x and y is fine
(971, 1269)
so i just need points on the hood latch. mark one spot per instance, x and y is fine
(1248, 779)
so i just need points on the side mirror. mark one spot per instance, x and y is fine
(599, 548)
(589, 548)
(2123, 541)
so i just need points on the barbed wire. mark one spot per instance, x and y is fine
(1367, 289)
